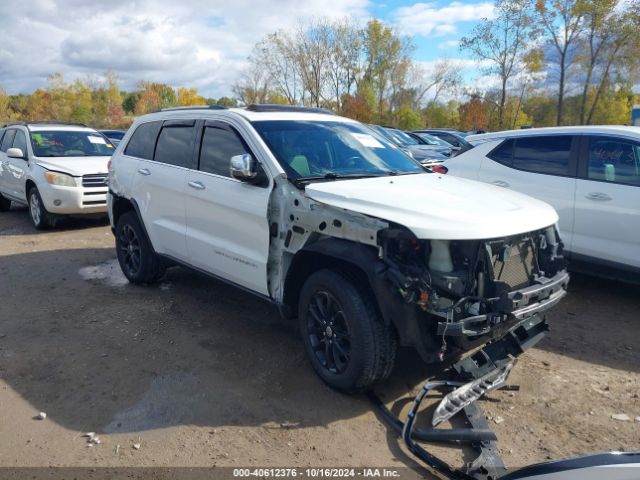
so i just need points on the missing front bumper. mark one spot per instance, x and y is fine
(516, 305)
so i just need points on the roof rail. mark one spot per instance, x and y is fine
(12, 124)
(269, 107)
(55, 122)
(193, 107)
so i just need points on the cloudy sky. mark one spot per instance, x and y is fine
(193, 43)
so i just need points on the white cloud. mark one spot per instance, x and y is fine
(428, 19)
(449, 45)
(195, 43)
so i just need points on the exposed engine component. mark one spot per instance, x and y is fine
(470, 287)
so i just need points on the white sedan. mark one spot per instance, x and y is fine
(590, 175)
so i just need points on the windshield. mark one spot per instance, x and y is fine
(432, 140)
(402, 138)
(69, 143)
(114, 134)
(332, 149)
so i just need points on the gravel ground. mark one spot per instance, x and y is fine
(196, 373)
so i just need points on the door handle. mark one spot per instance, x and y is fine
(197, 185)
(500, 183)
(598, 196)
(144, 171)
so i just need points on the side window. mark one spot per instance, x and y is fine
(503, 153)
(20, 141)
(7, 140)
(614, 160)
(543, 154)
(143, 141)
(175, 144)
(218, 146)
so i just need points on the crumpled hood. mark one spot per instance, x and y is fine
(437, 206)
(76, 166)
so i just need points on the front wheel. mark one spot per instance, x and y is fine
(347, 342)
(137, 259)
(40, 217)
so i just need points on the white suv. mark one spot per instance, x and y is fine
(56, 169)
(590, 174)
(340, 229)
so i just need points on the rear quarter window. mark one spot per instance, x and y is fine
(549, 155)
(143, 140)
(503, 153)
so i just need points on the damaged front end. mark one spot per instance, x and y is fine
(474, 291)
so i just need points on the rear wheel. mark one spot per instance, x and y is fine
(138, 261)
(5, 204)
(347, 342)
(40, 217)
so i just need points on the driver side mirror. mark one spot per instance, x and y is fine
(243, 168)
(15, 153)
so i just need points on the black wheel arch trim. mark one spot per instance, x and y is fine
(410, 324)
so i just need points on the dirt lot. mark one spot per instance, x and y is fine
(200, 374)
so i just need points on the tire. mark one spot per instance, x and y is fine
(41, 219)
(137, 259)
(346, 341)
(5, 204)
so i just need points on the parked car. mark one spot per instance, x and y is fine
(425, 154)
(337, 227)
(54, 168)
(114, 135)
(591, 175)
(454, 137)
(428, 139)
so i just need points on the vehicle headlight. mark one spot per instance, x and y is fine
(60, 179)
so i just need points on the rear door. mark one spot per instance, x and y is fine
(227, 226)
(542, 166)
(160, 177)
(607, 218)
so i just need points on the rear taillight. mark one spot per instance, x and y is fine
(439, 169)
(109, 165)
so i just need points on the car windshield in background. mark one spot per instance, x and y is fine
(65, 143)
(115, 135)
(332, 150)
(431, 140)
(402, 138)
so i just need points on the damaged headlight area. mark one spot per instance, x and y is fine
(474, 290)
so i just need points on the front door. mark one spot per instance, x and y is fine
(227, 225)
(607, 224)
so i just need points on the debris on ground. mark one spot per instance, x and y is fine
(136, 446)
(622, 417)
(498, 419)
(288, 425)
(92, 439)
(41, 416)
(637, 419)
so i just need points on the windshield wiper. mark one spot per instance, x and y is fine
(334, 175)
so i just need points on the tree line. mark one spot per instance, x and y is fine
(542, 63)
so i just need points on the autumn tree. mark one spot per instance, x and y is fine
(609, 31)
(154, 96)
(562, 21)
(473, 114)
(503, 43)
